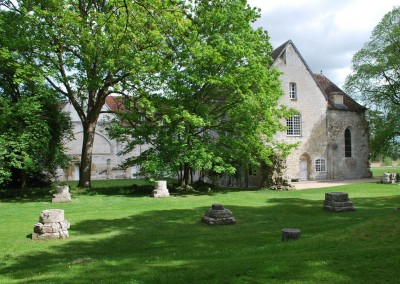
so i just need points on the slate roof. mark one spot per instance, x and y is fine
(327, 87)
(278, 51)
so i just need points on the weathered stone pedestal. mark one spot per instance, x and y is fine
(62, 194)
(389, 178)
(218, 215)
(290, 234)
(338, 202)
(160, 189)
(51, 225)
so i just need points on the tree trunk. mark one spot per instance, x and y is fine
(186, 174)
(85, 168)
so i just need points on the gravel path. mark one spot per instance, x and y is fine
(329, 183)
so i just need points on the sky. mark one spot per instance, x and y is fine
(327, 33)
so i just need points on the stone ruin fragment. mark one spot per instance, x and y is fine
(160, 189)
(218, 215)
(290, 234)
(338, 202)
(62, 194)
(51, 225)
(389, 178)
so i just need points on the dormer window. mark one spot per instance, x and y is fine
(293, 91)
(283, 56)
(338, 99)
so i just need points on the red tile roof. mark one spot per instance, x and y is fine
(114, 103)
(329, 88)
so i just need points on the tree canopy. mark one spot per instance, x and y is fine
(217, 109)
(376, 82)
(89, 49)
(32, 127)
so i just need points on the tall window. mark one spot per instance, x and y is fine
(347, 143)
(320, 165)
(294, 125)
(292, 91)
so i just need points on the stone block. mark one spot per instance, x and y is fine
(51, 225)
(390, 178)
(62, 194)
(218, 215)
(290, 234)
(160, 189)
(51, 216)
(338, 202)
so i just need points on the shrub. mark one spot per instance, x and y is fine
(387, 161)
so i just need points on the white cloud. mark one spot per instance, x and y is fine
(327, 33)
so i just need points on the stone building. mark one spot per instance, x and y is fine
(105, 161)
(329, 127)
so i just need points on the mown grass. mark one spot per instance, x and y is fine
(122, 238)
(379, 171)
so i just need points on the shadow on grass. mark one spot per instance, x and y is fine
(173, 246)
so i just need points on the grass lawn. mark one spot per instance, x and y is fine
(138, 239)
(379, 171)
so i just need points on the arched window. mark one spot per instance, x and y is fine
(347, 143)
(294, 125)
(320, 165)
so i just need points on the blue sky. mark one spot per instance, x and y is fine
(327, 33)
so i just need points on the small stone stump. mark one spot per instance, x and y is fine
(160, 189)
(51, 225)
(290, 234)
(62, 194)
(338, 202)
(218, 215)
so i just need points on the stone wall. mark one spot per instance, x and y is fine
(356, 166)
(105, 159)
(311, 105)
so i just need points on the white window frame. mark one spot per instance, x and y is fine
(320, 165)
(294, 125)
(293, 91)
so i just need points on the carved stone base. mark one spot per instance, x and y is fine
(62, 195)
(389, 178)
(51, 225)
(160, 189)
(338, 202)
(218, 215)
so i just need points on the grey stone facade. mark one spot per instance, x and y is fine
(326, 113)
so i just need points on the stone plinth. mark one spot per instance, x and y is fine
(62, 194)
(338, 202)
(160, 189)
(389, 178)
(290, 234)
(51, 225)
(218, 215)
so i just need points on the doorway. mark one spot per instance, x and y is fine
(304, 166)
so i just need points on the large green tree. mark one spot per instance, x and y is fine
(32, 127)
(218, 107)
(376, 82)
(89, 49)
